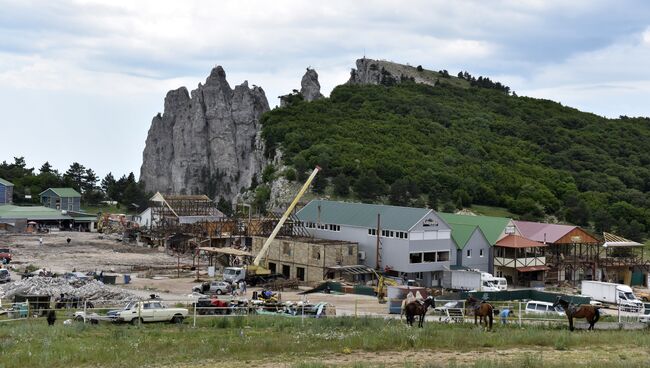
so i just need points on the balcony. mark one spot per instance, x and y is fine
(520, 262)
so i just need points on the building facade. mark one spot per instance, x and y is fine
(306, 259)
(65, 199)
(403, 241)
(6, 192)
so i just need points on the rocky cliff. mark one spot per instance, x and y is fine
(207, 143)
(371, 71)
(309, 89)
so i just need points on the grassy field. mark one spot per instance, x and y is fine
(349, 342)
(492, 211)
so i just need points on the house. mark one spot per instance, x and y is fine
(306, 259)
(65, 199)
(622, 261)
(6, 192)
(402, 241)
(520, 260)
(572, 253)
(474, 238)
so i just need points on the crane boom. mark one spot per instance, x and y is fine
(265, 247)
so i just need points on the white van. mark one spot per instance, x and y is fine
(538, 307)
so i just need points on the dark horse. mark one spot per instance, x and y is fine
(417, 308)
(589, 312)
(481, 309)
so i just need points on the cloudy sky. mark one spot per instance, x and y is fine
(81, 80)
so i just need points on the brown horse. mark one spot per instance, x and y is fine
(417, 308)
(481, 309)
(589, 312)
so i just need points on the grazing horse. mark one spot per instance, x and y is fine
(589, 312)
(417, 308)
(481, 309)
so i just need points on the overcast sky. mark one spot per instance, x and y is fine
(81, 80)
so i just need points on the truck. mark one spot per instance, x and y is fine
(236, 274)
(499, 282)
(617, 294)
(5, 255)
(468, 280)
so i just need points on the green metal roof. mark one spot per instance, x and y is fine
(461, 233)
(64, 192)
(5, 183)
(362, 214)
(492, 227)
(31, 213)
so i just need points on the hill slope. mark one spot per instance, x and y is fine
(456, 146)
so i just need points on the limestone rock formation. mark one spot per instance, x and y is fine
(310, 88)
(384, 72)
(208, 143)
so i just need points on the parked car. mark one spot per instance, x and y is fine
(539, 307)
(214, 287)
(5, 276)
(5, 255)
(453, 304)
(72, 276)
(148, 311)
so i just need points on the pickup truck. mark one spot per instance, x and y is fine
(148, 311)
(5, 255)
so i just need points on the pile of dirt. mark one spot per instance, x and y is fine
(55, 286)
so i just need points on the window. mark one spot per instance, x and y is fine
(443, 256)
(350, 251)
(429, 256)
(300, 273)
(315, 253)
(388, 233)
(430, 235)
(70, 204)
(419, 275)
(334, 227)
(444, 234)
(372, 232)
(480, 253)
(415, 258)
(401, 235)
(322, 226)
(469, 253)
(286, 248)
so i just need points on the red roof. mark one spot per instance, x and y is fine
(541, 232)
(516, 241)
(532, 268)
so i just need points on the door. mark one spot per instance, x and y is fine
(286, 271)
(272, 267)
(146, 313)
(300, 273)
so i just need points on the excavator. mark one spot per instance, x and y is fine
(381, 288)
(252, 271)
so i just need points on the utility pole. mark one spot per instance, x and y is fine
(377, 263)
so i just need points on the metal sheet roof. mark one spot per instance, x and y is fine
(361, 214)
(31, 213)
(612, 240)
(541, 232)
(6, 183)
(63, 192)
(461, 233)
(516, 241)
(492, 227)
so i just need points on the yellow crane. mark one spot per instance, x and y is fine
(255, 268)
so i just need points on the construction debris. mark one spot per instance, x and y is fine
(83, 289)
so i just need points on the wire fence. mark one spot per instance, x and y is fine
(193, 311)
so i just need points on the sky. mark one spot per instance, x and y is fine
(81, 80)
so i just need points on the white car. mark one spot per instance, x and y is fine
(148, 311)
(538, 307)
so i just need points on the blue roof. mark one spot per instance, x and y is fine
(361, 214)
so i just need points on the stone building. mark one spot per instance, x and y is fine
(306, 259)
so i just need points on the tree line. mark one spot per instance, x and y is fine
(28, 184)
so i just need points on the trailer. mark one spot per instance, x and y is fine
(467, 280)
(608, 292)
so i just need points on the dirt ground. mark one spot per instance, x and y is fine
(423, 358)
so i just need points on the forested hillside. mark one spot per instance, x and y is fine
(448, 146)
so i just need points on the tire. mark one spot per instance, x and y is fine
(79, 319)
(645, 298)
(177, 319)
(219, 292)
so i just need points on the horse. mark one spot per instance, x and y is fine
(417, 308)
(481, 309)
(589, 312)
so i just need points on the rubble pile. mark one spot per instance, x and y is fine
(53, 286)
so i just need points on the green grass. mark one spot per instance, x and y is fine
(34, 344)
(492, 211)
(106, 209)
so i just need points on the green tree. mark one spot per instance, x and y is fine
(399, 192)
(369, 186)
(300, 164)
(74, 177)
(225, 206)
(341, 185)
(290, 174)
(319, 184)
(262, 196)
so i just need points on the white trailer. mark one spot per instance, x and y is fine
(467, 280)
(608, 292)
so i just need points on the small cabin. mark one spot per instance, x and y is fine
(66, 199)
(6, 192)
